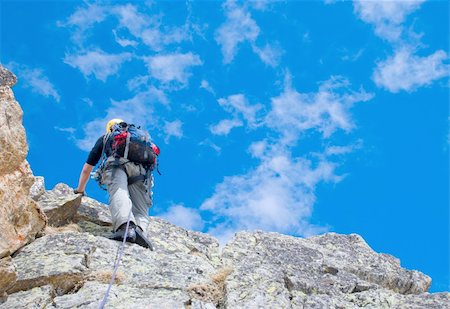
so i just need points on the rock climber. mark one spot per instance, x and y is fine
(128, 184)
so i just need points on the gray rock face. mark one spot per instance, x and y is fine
(36, 298)
(327, 271)
(187, 270)
(93, 211)
(60, 205)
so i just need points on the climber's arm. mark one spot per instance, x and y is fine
(84, 177)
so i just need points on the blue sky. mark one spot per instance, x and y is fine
(299, 117)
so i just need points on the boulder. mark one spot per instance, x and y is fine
(93, 211)
(60, 205)
(20, 217)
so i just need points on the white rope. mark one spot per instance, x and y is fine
(116, 263)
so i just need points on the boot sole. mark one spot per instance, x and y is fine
(141, 240)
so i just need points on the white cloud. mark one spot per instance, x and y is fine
(172, 67)
(148, 28)
(88, 101)
(225, 126)
(241, 110)
(71, 131)
(386, 15)
(188, 218)
(240, 107)
(335, 150)
(406, 71)
(83, 19)
(34, 79)
(97, 63)
(123, 41)
(238, 28)
(86, 17)
(278, 195)
(173, 128)
(270, 55)
(326, 110)
(205, 85)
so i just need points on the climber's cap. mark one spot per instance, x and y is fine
(111, 123)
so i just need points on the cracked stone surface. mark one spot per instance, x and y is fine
(8, 274)
(20, 217)
(326, 271)
(60, 205)
(186, 270)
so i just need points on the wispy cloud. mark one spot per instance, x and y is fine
(241, 110)
(386, 16)
(180, 215)
(84, 18)
(204, 84)
(239, 28)
(326, 110)
(172, 67)
(269, 54)
(406, 71)
(34, 79)
(97, 62)
(279, 193)
(240, 107)
(173, 129)
(225, 126)
(149, 28)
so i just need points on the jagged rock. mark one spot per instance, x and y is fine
(36, 298)
(93, 211)
(59, 259)
(38, 188)
(20, 217)
(267, 270)
(70, 260)
(171, 238)
(352, 254)
(7, 274)
(60, 205)
(7, 79)
(327, 271)
(13, 144)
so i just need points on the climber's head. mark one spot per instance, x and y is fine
(111, 123)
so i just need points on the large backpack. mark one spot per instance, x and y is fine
(133, 143)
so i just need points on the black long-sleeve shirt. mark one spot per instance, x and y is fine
(96, 152)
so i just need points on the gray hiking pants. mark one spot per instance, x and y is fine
(123, 197)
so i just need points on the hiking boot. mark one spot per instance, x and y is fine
(120, 232)
(141, 240)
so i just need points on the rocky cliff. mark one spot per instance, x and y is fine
(70, 263)
(20, 217)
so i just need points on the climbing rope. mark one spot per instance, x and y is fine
(116, 263)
